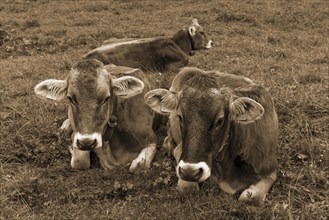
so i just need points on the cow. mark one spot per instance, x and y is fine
(223, 127)
(107, 114)
(153, 54)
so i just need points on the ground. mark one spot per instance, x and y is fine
(282, 45)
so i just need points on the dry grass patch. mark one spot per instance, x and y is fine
(282, 45)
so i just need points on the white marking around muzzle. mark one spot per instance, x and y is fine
(195, 166)
(94, 136)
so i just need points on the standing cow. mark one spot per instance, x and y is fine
(107, 114)
(223, 126)
(154, 54)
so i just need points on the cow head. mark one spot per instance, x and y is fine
(91, 90)
(199, 39)
(202, 113)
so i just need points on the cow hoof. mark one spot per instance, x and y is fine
(144, 159)
(185, 187)
(138, 165)
(66, 126)
(80, 159)
(252, 195)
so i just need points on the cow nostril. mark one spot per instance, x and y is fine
(86, 144)
(181, 172)
(192, 175)
(199, 174)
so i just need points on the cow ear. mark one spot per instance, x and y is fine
(195, 22)
(127, 86)
(113, 69)
(51, 89)
(245, 110)
(161, 100)
(192, 30)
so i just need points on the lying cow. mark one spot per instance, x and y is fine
(154, 54)
(224, 126)
(106, 113)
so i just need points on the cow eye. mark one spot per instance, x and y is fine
(106, 100)
(180, 118)
(219, 122)
(72, 100)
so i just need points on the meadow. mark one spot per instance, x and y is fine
(282, 45)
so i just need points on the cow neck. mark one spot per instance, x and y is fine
(111, 124)
(183, 39)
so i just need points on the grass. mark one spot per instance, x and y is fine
(282, 45)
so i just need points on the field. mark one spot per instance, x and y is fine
(282, 45)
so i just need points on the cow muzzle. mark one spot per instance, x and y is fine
(87, 142)
(193, 172)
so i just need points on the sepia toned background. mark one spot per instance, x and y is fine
(282, 45)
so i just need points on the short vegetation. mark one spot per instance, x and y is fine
(282, 45)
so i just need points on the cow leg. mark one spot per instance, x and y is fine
(168, 143)
(178, 152)
(80, 159)
(257, 193)
(144, 159)
(105, 157)
(187, 187)
(226, 187)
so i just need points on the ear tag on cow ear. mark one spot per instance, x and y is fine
(113, 122)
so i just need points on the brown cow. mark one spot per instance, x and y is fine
(107, 114)
(224, 126)
(154, 54)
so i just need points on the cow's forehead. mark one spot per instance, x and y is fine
(209, 101)
(77, 76)
(201, 93)
(87, 66)
(88, 79)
